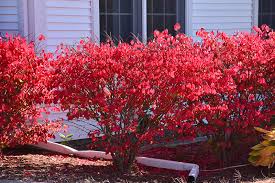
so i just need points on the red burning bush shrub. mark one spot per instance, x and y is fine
(134, 91)
(222, 86)
(244, 95)
(19, 94)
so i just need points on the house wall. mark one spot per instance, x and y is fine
(78, 128)
(9, 19)
(223, 15)
(67, 21)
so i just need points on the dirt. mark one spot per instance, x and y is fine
(30, 165)
(26, 164)
(234, 168)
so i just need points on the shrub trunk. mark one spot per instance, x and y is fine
(123, 161)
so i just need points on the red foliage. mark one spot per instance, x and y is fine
(41, 37)
(19, 94)
(243, 97)
(171, 87)
(177, 27)
(135, 92)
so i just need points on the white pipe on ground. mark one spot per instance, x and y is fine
(93, 154)
(52, 146)
(152, 162)
(171, 165)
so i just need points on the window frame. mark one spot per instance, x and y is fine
(179, 14)
(135, 17)
(140, 18)
(255, 13)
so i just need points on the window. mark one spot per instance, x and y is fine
(122, 19)
(118, 19)
(163, 14)
(267, 12)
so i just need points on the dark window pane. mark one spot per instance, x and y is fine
(149, 6)
(113, 26)
(171, 6)
(158, 6)
(126, 6)
(116, 21)
(158, 22)
(260, 20)
(103, 27)
(112, 6)
(149, 25)
(154, 22)
(267, 13)
(266, 20)
(170, 21)
(273, 6)
(265, 6)
(102, 4)
(126, 27)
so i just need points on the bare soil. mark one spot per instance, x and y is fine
(27, 164)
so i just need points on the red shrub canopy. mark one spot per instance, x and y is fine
(19, 94)
(222, 86)
(244, 94)
(134, 91)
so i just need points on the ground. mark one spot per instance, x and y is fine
(28, 165)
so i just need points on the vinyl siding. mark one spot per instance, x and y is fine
(67, 21)
(78, 128)
(9, 20)
(229, 16)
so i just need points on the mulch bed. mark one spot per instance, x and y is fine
(33, 165)
(212, 169)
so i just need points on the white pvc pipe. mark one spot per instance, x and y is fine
(152, 162)
(51, 146)
(171, 165)
(93, 154)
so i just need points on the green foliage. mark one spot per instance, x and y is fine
(65, 138)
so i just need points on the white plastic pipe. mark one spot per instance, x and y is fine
(171, 165)
(93, 154)
(51, 146)
(152, 162)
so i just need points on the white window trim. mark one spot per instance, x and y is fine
(95, 35)
(35, 20)
(144, 21)
(255, 13)
(188, 17)
(22, 6)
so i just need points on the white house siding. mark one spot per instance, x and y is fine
(67, 21)
(229, 16)
(78, 128)
(9, 20)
